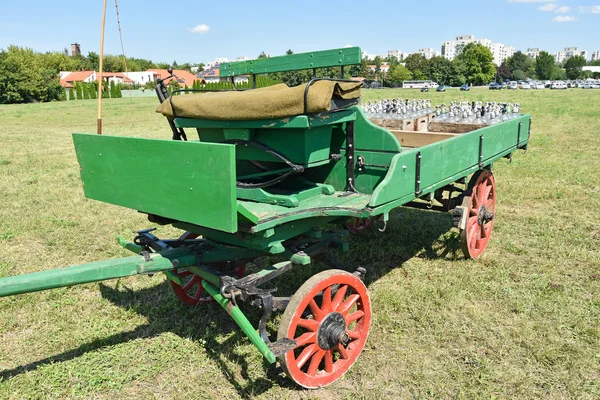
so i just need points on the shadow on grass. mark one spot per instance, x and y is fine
(409, 233)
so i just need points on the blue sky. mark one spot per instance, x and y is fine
(164, 31)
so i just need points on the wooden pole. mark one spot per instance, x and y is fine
(100, 79)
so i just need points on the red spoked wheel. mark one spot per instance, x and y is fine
(329, 317)
(481, 208)
(357, 225)
(192, 291)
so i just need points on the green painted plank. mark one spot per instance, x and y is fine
(293, 62)
(187, 181)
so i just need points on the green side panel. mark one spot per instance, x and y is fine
(186, 181)
(369, 136)
(449, 160)
(293, 62)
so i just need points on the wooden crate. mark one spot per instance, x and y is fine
(453, 127)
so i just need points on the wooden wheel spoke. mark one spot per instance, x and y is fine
(190, 283)
(354, 316)
(339, 296)
(343, 352)
(350, 301)
(306, 338)
(353, 334)
(329, 361)
(487, 191)
(315, 361)
(317, 313)
(199, 291)
(306, 354)
(309, 324)
(326, 303)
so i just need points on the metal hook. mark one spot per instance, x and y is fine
(384, 227)
(430, 204)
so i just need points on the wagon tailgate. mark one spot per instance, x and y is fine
(187, 181)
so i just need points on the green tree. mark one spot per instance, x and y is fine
(71, 94)
(86, 90)
(262, 55)
(504, 71)
(544, 65)
(79, 90)
(519, 61)
(93, 89)
(113, 93)
(417, 65)
(573, 67)
(478, 63)
(440, 70)
(558, 74)
(518, 75)
(400, 74)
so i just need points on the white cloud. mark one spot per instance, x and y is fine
(201, 29)
(590, 10)
(562, 10)
(548, 7)
(348, 45)
(564, 18)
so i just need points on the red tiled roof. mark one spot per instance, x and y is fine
(182, 76)
(78, 76)
(116, 75)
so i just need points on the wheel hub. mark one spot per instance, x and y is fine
(485, 215)
(332, 331)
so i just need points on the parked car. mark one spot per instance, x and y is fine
(441, 88)
(465, 88)
(424, 89)
(525, 85)
(496, 86)
(558, 85)
(540, 86)
(512, 86)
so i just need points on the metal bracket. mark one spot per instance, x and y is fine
(418, 190)
(519, 134)
(360, 162)
(480, 151)
(350, 156)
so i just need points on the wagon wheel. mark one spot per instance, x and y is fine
(329, 317)
(481, 208)
(357, 225)
(192, 291)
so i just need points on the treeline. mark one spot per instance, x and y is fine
(28, 76)
(474, 65)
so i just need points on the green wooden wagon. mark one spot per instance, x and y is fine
(242, 188)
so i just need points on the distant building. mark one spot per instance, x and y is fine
(211, 75)
(367, 56)
(596, 55)
(185, 78)
(384, 67)
(78, 76)
(568, 52)
(533, 52)
(452, 48)
(141, 77)
(75, 49)
(397, 54)
(429, 53)
(242, 58)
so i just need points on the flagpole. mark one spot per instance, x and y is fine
(100, 79)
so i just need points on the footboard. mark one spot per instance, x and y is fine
(185, 181)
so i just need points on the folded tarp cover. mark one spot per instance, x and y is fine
(278, 101)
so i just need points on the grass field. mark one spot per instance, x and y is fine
(521, 322)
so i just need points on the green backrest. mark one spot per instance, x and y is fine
(293, 62)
